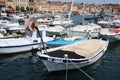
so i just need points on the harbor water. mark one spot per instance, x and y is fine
(26, 66)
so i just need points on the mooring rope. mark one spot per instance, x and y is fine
(82, 71)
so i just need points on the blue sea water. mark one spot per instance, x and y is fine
(25, 66)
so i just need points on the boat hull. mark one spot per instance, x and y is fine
(82, 33)
(16, 49)
(58, 64)
(111, 38)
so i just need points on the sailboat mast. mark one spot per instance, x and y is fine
(83, 21)
(70, 10)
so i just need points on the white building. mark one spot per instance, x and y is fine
(21, 3)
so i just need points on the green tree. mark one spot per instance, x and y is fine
(27, 8)
(9, 6)
(17, 8)
(31, 9)
(22, 9)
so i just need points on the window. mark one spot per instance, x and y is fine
(38, 34)
(29, 33)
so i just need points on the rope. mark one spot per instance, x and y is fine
(82, 71)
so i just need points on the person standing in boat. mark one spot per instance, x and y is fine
(31, 23)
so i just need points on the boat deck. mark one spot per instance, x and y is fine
(84, 49)
(87, 48)
(61, 53)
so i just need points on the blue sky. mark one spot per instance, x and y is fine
(92, 1)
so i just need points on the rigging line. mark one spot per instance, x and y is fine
(82, 71)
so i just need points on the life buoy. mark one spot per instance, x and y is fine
(31, 24)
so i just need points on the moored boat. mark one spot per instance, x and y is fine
(31, 41)
(111, 34)
(80, 54)
(84, 30)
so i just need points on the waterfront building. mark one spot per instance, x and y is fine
(2, 5)
(19, 3)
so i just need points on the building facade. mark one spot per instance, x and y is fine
(2, 5)
(21, 3)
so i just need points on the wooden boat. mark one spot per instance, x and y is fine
(80, 54)
(31, 41)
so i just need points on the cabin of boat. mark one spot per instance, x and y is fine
(35, 36)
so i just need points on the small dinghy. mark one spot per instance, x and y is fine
(65, 41)
(81, 54)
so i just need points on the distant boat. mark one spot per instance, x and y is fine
(86, 30)
(55, 30)
(110, 30)
(81, 54)
(110, 34)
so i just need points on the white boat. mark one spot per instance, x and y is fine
(44, 20)
(11, 25)
(64, 22)
(104, 23)
(84, 30)
(4, 22)
(56, 30)
(31, 41)
(17, 16)
(116, 23)
(14, 27)
(111, 34)
(110, 30)
(80, 54)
